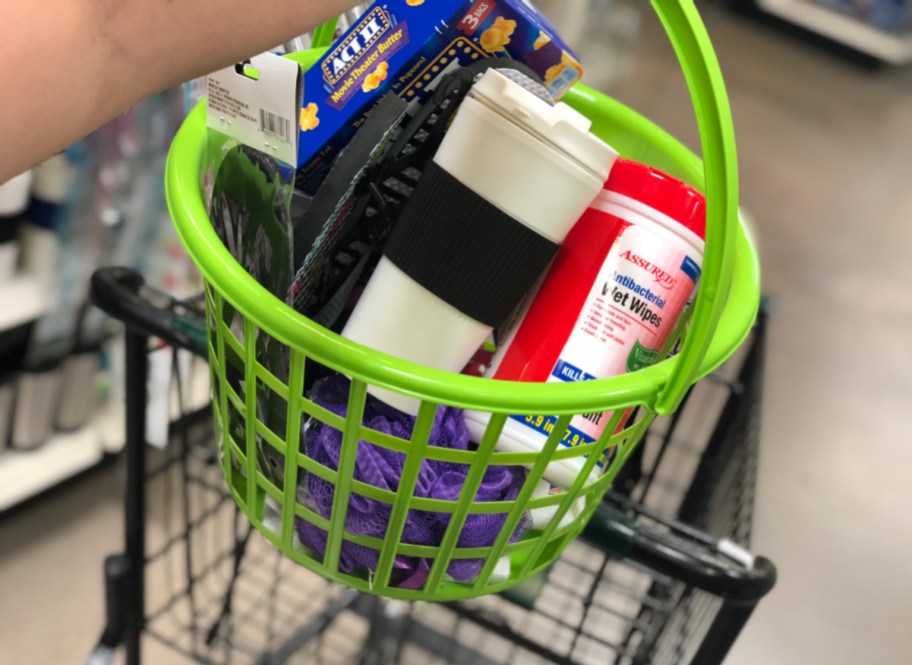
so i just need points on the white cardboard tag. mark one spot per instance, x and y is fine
(257, 103)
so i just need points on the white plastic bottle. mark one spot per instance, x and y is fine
(607, 306)
(510, 179)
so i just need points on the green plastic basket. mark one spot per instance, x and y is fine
(723, 315)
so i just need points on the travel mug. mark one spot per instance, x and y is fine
(510, 179)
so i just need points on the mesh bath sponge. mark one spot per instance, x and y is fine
(382, 468)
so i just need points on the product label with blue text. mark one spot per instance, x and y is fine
(631, 310)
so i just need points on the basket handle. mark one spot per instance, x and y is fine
(720, 163)
(323, 34)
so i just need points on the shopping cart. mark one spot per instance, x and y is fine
(662, 573)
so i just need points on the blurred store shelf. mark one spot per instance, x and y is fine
(894, 48)
(26, 474)
(111, 420)
(21, 300)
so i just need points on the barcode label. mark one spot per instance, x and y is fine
(259, 113)
(276, 125)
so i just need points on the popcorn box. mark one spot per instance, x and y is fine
(406, 47)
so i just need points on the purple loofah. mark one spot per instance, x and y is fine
(382, 468)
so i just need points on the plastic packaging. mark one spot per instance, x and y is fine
(609, 304)
(431, 299)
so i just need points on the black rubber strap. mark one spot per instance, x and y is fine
(466, 251)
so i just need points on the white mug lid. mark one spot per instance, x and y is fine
(559, 125)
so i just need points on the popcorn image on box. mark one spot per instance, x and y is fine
(407, 46)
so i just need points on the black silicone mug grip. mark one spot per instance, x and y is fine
(466, 251)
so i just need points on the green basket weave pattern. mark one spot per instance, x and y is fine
(243, 315)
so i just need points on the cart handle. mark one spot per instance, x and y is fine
(122, 293)
(699, 562)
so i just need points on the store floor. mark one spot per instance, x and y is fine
(826, 159)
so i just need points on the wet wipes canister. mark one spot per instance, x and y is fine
(607, 305)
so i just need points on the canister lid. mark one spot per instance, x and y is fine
(660, 191)
(559, 125)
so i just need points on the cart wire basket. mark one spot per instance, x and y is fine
(661, 574)
(244, 317)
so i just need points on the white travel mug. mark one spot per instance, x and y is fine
(510, 179)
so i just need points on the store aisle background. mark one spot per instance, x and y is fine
(826, 160)
(826, 167)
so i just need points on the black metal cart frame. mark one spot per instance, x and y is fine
(661, 575)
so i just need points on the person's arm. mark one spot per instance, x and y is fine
(69, 66)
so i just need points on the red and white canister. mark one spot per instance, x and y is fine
(607, 305)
